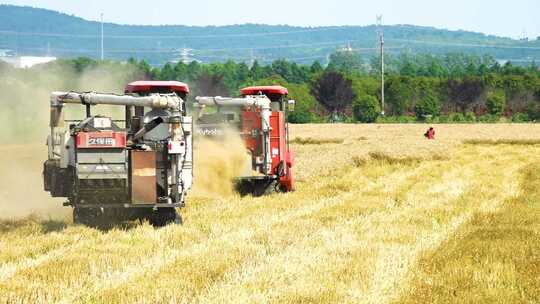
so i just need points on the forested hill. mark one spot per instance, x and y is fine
(33, 31)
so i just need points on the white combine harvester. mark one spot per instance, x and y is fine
(108, 172)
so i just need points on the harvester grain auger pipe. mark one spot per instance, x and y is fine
(259, 101)
(152, 101)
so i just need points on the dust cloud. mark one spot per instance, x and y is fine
(217, 162)
(21, 185)
(24, 119)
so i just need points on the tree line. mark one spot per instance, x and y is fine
(449, 88)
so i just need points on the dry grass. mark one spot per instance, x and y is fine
(313, 141)
(492, 259)
(381, 158)
(375, 232)
(502, 141)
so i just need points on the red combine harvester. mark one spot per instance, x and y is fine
(262, 123)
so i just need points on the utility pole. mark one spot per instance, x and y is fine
(381, 40)
(102, 52)
(251, 58)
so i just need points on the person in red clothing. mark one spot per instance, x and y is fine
(430, 133)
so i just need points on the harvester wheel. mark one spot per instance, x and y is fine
(86, 216)
(178, 219)
(257, 187)
(165, 216)
(271, 188)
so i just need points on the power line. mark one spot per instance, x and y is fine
(174, 50)
(91, 36)
(271, 47)
(464, 44)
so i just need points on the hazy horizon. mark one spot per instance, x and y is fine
(488, 17)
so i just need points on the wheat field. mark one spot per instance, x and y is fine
(380, 215)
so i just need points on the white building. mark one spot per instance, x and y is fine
(26, 61)
(5, 52)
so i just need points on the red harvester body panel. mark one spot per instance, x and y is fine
(157, 87)
(251, 120)
(103, 139)
(265, 90)
(278, 144)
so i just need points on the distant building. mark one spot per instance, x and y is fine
(24, 62)
(347, 48)
(5, 52)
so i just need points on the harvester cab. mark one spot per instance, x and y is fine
(112, 170)
(262, 123)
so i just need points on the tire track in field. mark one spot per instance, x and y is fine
(169, 256)
(388, 287)
(314, 208)
(377, 294)
(268, 264)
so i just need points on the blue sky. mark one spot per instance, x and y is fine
(504, 18)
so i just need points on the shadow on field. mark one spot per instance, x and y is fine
(522, 142)
(108, 226)
(381, 158)
(38, 223)
(314, 141)
(33, 222)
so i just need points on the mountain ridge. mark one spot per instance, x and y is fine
(28, 30)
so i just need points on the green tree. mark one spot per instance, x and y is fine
(533, 111)
(316, 67)
(496, 101)
(282, 68)
(194, 69)
(304, 109)
(181, 71)
(465, 91)
(167, 72)
(82, 63)
(256, 71)
(400, 93)
(211, 85)
(427, 105)
(366, 108)
(346, 61)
